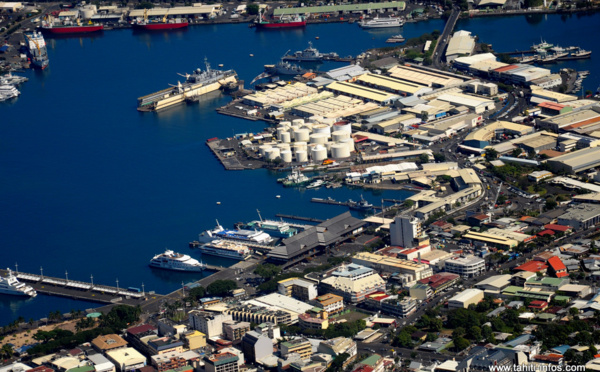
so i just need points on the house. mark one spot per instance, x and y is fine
(538, 305)
(557, 267)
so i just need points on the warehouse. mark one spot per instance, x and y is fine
(204, 10)
(548, 82)
(325, 106)
(539, 95)
(396, 124)
(575, 162)
(482, 137)
(581, 217)
(526, 73)
(279, 95)
(464, 63)
(393, 85)
(492, 240)
(343, 9)
(461, 43)
(435, 109)
(486, 67)
(465, 298)
(553, 109)
(570, 119)
(430, 79)
(453, 125)
(475, 104)
(538, 144)
(362, 92)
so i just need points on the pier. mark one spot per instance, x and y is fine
(335, 202)
(80, 290)
(299, 218)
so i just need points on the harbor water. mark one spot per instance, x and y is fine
(93, 187)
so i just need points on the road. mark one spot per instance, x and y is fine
(442, 42)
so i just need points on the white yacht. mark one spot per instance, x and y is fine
(176, 261)
(381, 22)
(11, 286)
(8, 91)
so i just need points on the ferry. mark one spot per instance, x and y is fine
(278, 229)
(226, 249)
(381, 22)
(176, 261)
(10, 285)
(219, 233)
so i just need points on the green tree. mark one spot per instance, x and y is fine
(252, 9)
(424, 116)
(439, 158)
(435, 324)
(491, 154)
(424, 158)
(474, 333)
(221, 287)
(461, 344)
(403, 339)
(197, 293)
(267, 271)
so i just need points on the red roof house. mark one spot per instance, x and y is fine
(557, 267)
(532, 266)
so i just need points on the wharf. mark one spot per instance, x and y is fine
(299, 218)
(227, 153)
(80, 290)
(335, 202)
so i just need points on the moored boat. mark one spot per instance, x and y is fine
(170, 260)
(279, 229)
(53, 25)
(36, 46)
(284, 22)
(226, 249)
(10, 285)
(158, 24)
(382, 22)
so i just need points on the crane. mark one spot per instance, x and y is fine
(165, 17)
(146, 15)
(34, 43)
(497, 195)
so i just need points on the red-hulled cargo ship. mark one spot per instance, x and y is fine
(52, 25)
(159, 25)
(284, 22)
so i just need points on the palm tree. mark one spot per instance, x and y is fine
(6, 350)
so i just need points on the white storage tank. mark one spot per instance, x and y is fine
(315, 119)
(286, 156)
(302, 135)
(286, 137)
(342, 126)
(263, 149)
(297, 121)
(284, 124)
(87, 13)
(340, 151)
(273, 153)
(328, 121)
(322, 128)
(283, 146)
(339, 135)
(308, 126)
(296, 146)
(301, 156)
(318, 153)
(349, 142)
(319, 138)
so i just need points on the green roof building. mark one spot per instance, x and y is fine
(342, 9)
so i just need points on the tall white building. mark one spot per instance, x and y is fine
(208, 323)
(404, 230)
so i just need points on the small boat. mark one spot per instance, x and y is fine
(396, 39)
(251, 55)
(218, 203)
(361, 205)
(278, 196)
(316, 184)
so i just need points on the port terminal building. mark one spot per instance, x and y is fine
(335, 10)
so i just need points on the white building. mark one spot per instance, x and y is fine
(465, 266)
(465, 298)
(404, 230)
(127, 359)
(461, 43)
(208, 323)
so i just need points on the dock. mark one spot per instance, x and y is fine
(80, 290)
(299, 218)
(225, 151)
(335, 202)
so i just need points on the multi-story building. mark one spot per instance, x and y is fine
(164, 345)
(259, 314)
(235, 330)
(421, 291)
(353, 282)
(314, 320)
(439, 282)
(127, 359)
(391, 304)
(465, 266)
(415, 270)
(210, 324)
(298, 288)
(331, 303)
(337, 346)
(223, 362)
(194, 339)
(165, 362)
(104, 343)
(270, 330)
(300, 345)
(256, 346)
(138, 336)
(404, 230)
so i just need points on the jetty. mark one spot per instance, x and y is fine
(299, 218)
(335, 202)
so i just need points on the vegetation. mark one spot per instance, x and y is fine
(221, 287)
(119, 317)
(423, 158)
(491, 154)
(145, 5)
(267, 271)
(347, 329)
(252, 9)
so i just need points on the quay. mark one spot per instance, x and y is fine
(335, 202)
(299, 218)
(80, 290)
(227, 155)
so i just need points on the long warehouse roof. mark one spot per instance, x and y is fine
(340, 8)
(394, 84)
(179, 10)
(361, 91)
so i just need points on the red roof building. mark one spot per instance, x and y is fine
(538, 305)
(532, 266)
(550, 358)
(557, 267)
(441, 281)
(141, 329)
(558, 228)
(545, 232)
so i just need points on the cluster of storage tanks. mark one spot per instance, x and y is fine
(315, 141)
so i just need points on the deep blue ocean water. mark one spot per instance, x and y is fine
(94, 187)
